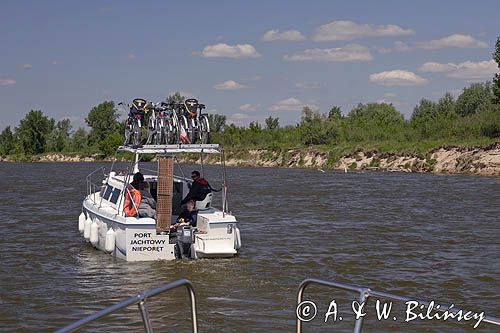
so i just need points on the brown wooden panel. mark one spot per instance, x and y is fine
(165, 189)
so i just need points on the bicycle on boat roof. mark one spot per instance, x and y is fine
(168, 123)
(198, 127)
(136, 116)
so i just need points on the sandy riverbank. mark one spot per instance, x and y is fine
(447, 159)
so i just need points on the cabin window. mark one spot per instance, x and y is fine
(107, 193)
(115, 195)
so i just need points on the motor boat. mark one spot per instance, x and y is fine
(104, 224)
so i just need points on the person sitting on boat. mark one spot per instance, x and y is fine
(187, 216)
(199, 189)
(147, 206)
(133, 196)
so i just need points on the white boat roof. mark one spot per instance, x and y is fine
(172, 149)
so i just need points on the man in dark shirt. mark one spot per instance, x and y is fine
(199, 189)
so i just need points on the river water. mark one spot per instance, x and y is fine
(422, 235)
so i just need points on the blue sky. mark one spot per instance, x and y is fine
(247, 60)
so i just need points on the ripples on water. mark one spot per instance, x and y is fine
(423, 235)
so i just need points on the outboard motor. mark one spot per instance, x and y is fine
(185, 240)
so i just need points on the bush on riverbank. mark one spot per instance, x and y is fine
(472, 119)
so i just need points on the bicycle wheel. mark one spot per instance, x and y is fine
(136, 134)
(127, 135)
(184, 130)
(170, 132)
(204, 129)
(192, 130)
(151, 130)
(158, 133)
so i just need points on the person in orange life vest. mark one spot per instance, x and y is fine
(133, 196)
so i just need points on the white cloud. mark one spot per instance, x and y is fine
(289, 36)
(398, 46)
(131, 56)
(307, 85)
(251, 78)
(395, 102)
(223, 50)
(249, 107)
(290, 104)
(229, 85)
(351, 52)
(27, 66)
(389, 95)
(455, 40)
(397, 78)
(347, 30)
(467, 70)
(7, 82)
(241, 119)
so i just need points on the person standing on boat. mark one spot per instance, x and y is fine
(133, 196)
(199, 189)
(147, 207)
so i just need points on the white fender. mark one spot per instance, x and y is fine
(86, 228)
(94, 233)
(110, 241)
(81, 222)
(237, 239)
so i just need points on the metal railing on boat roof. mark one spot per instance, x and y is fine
(140, 300)
(93, 186)
(172, 149)
(365, 293)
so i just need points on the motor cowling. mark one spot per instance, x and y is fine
(185, 240)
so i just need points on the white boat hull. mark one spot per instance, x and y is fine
(136, 239)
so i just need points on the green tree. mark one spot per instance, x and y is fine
(33, 130)
(381, 114)
(217, 122)
(496, 79)
(308, 115)
(254, 126)
(425, 111)
(272, 123)
(109, 145)
(102, 120)
(446, 106)
(175, 98)
(6, 141)
(79, 140)
(335, 112)
(473, 97)
(58, 139)
(373, 122)
(314, 129)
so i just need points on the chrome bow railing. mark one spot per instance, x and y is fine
(140, 300)
(364, 294)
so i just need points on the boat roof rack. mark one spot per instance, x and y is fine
(172, 149)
